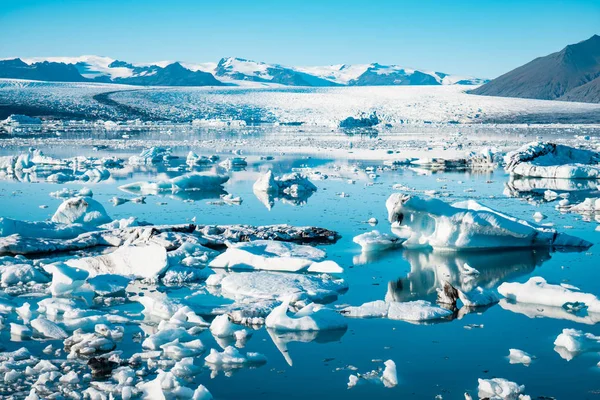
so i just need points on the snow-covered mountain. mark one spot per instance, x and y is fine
(228, 71)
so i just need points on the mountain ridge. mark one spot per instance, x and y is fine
(570, 74)
(228, 71)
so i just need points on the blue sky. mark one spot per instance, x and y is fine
(482, 38)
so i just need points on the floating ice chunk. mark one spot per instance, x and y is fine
(65, 193)
(102, 340)
(176, 350)
(132, 261)
(48, 329)
(167, 386)
(551, 160)
(278, 286)
(415, 311)
(230, 199)
(374, 241)
(373, 309)
(24, 312)
(275, 256)
(15, 274)
(390, 376)
(312, 317)
(467, 225)
(577, 342)
(188, 182)
(232, 356)
(517, 356)
(291, 184)
(466, 269)
(158, 305)
(235, 162)
(419, 310)
(499, 389)
(65, 278)
(538, 216)
(222, 327)
(153, 342)
(193, 159)
(537, 291)
(81, 210)
(588, 206)
(149, 156)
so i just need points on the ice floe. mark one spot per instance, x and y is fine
(572, 342)
(466, 225)
(312, 317)
(537, 291)
(387, 376)
(500, 389)
(551, 160)
(412, 311)
(375, 241)
(274, 256)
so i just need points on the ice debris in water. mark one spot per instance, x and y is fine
(312, 317)
(537, 291)
(572, 342)
(551, 160)
(141, 261)
(500, 389)
(233, 357)
(150, 156)
(388, 376)
(81, 210)
(375, 241)
(412, 311)
(517, 356)
(275, 256)
(281, 286)
(189, 182)
(466, 225)
(294, 188)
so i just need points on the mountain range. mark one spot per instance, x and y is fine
(228, 71)
(572, 74)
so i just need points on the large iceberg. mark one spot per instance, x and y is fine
(551, 160)
(467, 225)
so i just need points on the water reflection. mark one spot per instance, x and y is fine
(282, 339)
(578, 189)
(430, 269)
(269, 199)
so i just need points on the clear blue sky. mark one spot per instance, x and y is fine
(482, 38)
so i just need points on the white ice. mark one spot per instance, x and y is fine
(312, 317)
(466, 225)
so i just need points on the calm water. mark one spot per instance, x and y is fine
(444, 358)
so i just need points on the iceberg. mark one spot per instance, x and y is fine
(551, 160)
(280, 286)
(274, 256)
(577, 342)
(144, 261)
(537, 291)
(188, 182)
(312, 317)
(81, 210)
(232, 357)
(467, 225)
(294, 188)
(499, 389)
(375, 241)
